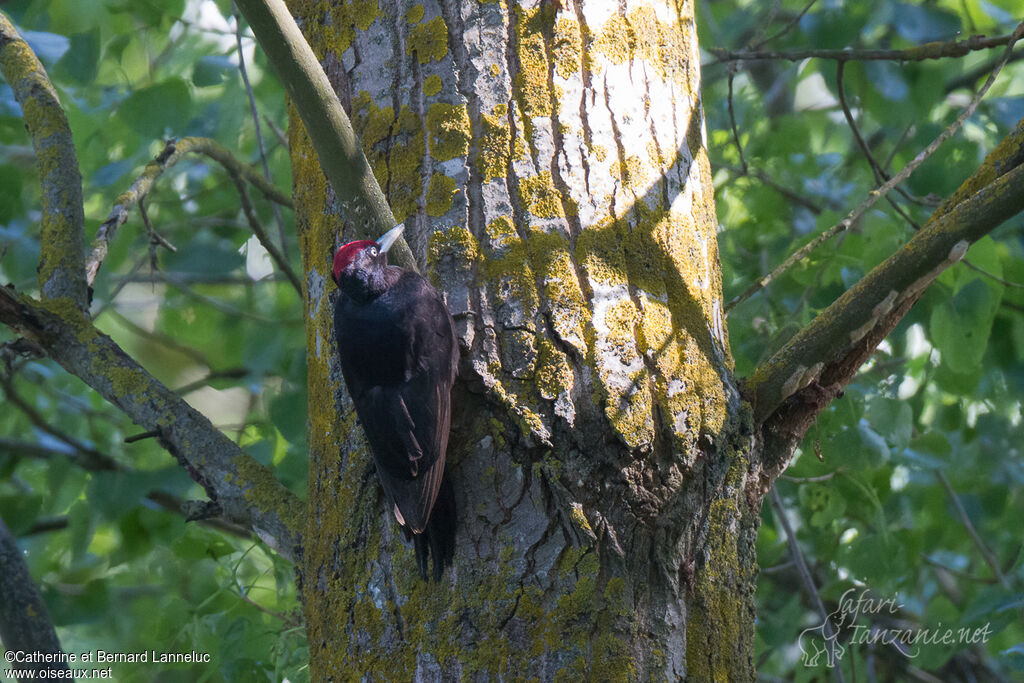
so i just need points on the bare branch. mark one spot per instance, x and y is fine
(805, 574)
(341, 157)
(245, 490)
(171, 154)
(62, 231)
(880, 174)
(25, 625)
(933, 50)
(873, 196)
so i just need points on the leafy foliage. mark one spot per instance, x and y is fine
(119, 570)
(942, 397)
(940, 401)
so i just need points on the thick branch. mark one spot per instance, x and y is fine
(246, 491)
(341, 156)
(829, 350)
(170, 155)
(62, 237)
(25, 625)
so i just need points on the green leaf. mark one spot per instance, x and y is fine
(212, 70)
(921, 23)
(960, 326)
(20, 511)
(83, 604)
(80, 63)
(288, 412)
(822, 503)
(930, 450)
(892, 419)
(80, 527)
(10, 193)
(158, 110)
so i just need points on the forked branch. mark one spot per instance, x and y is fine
(246, 491)
(789, 389)
(171, 154)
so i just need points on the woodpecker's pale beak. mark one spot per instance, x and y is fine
(390, 237)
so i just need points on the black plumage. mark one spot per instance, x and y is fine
(399, 354)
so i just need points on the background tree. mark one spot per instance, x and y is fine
(610, 473)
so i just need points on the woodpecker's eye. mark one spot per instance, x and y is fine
(373, 251)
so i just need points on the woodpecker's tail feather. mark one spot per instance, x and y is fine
(438, 539)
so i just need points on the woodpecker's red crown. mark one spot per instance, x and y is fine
(347, 253)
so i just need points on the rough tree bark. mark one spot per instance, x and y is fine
(24, 624)
(549, 162)
(550, 167)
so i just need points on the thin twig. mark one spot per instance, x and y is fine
(276, 130)
(45, 525)
(121, 284)
(164, 340)
(155, 238)
(767, 180)
(880, 175)
(219, 305)
(203, 278)
(277, 615)
(968, 79)
(173, 503)
(986, 554)
(165, 500)
(171, 154)
(958, 573)
(934, 50)
(809, 480)
(732, 121)
(805, 575)
(994, 278)
(257, 228)
(785, 29)
(877, 170)
(134, 438)
(876, 194)
(91, 458)
(777, 568)
(230, 373)
(256, 122)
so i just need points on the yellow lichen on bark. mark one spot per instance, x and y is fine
(61, 272)
(641, 35)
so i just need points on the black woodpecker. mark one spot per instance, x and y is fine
(399, 356)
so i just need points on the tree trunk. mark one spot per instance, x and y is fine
(549, 163)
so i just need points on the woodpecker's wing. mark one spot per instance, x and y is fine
(404, 400)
